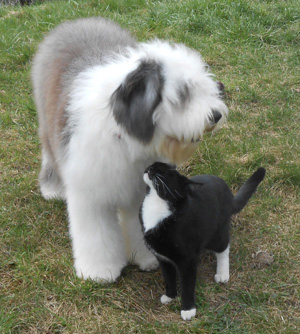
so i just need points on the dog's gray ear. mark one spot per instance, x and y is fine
(135, 100)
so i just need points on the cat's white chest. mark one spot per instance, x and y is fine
(154, 210)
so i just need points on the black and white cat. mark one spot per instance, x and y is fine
(181, 216)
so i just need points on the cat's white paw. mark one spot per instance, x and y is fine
(188, 315)
(165, 299)
(222, 278)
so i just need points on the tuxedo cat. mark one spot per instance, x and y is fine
(181, 216)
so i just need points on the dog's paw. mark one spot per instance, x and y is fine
(164, 299)
(222, 278)
(104, 275)
(144, 259)
(189, 314)
(148, 263)
(52, 191)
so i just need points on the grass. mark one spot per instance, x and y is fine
(253, 48)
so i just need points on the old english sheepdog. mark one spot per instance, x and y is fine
(109, 107)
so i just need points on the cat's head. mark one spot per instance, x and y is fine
(166, 181)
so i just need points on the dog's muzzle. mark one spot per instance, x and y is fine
(216, 116)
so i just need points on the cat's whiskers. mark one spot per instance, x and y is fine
(178, 193)
(165, 185)
(155, 182)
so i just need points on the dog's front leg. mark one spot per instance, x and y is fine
(137, 252)
(98, 246)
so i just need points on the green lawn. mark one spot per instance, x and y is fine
(253, 47)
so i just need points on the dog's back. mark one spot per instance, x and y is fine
(75, 45)
(66, 51)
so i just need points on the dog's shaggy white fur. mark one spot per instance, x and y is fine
(109, 107)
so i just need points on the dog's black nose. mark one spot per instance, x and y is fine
(216, 115)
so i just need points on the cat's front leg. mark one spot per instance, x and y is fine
(188, 273)
(169, 273)
(222, 275)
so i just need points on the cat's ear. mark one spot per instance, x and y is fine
(135, 100)
(194, 186)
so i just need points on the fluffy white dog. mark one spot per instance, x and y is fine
(109, 107)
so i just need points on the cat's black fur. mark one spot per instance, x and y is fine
(200, 211)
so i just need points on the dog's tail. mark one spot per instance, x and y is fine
(247, 190)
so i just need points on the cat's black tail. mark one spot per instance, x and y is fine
(247, 190)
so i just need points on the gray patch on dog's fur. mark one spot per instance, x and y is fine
(95, 42)
(135, 100)
(184, 94)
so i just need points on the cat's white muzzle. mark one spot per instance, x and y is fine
(147, 179)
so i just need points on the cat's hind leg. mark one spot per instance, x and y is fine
(222, 275)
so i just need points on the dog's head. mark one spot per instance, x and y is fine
(169, 100)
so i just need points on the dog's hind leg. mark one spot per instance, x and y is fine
(50, 181)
